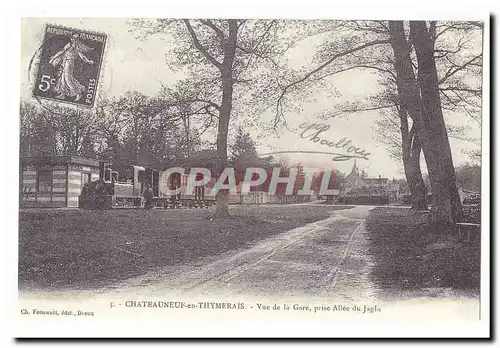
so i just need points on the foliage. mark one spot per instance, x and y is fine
(57, 131)
(336, 180)
(469, 177)
(134, 128)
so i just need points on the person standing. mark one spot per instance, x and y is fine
(148, 197)
(199, 193)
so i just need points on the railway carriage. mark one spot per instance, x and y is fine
(122, 186)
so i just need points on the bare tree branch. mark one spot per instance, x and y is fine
(462, 89)
(356, 108)
(361, 66)
(216, 29)
(279, 106)
(253, 51)
(211, 103)
(456, 68)
(335, 57)
(199, 46)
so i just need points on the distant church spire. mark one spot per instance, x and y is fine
(355, 168)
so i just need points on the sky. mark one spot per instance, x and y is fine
(141, 65)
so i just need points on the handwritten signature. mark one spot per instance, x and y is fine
(312, 132)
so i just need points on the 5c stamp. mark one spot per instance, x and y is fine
(69, 66)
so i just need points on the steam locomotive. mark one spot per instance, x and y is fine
(123, 186)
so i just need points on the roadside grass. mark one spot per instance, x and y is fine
(412, 257)
(82, 249)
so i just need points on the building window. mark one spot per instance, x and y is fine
(85, 178)
(44, 180)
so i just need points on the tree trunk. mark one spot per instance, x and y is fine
(429, 128)
(446, 201)
(416, 172)
(221, 209)
(411, 163)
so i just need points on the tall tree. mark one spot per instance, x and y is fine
(342, 55)
(419, 97)
(38, 132)
(458, 58)
(222, 59)
(243, 154)
(227, 41)
(77, 131)
(432, 129)
(28, 114)
(244, 145)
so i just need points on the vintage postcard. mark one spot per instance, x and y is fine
(253, 177)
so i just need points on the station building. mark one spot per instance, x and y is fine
(54, 181)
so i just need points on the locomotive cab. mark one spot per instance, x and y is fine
(110, 175)
(128, 180)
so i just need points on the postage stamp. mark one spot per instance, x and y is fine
(69, 66)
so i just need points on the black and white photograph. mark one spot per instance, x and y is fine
(288, 169)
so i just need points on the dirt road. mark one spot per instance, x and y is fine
(324, 259)
(324, 262)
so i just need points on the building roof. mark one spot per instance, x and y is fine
(57, 160)
(375, 179)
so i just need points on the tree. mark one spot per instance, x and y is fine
(139, 129)
(244, 154)
(458, 60)
(204, 158)
(469, 177)
(220, 59)
(342, 55)
(244, 146)
(77, 131)
(28, 116)
(408, 104)
(336, 180)
(58, 131)
(371, 52)
(432, 129)
(458, 64)
(300, 179)
(228, 42)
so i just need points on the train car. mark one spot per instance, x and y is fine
(123, 186)
(172, 191)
